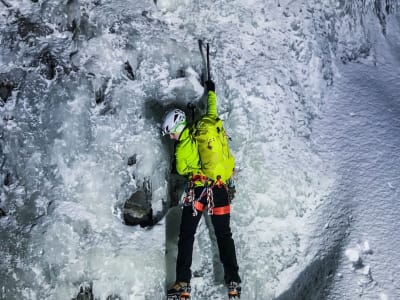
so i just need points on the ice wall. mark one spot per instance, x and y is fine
(84, 85)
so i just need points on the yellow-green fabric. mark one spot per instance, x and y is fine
(212, 105)
(187, 155)
(217, 161)
(201, 142)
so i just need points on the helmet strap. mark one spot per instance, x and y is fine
(179, 128)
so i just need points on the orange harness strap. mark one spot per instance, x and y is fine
(223, 210)
(199, 206)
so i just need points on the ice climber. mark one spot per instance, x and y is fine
(203, 156)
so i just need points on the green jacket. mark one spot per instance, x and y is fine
(187, 156)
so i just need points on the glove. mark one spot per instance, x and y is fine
(210, 85)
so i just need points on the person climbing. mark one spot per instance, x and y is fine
(202, 154)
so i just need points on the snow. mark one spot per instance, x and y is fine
(364, 145)
(308, 92)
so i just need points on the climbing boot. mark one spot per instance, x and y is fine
(234, 290)
(179, 291)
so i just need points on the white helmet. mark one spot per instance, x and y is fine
(174, 121)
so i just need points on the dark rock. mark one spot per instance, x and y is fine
(180, 73)
(113, 297)
(49, 62)
(129, 70)
(380, 13)
(100, 90)
(99, 95)
(2, 213)
(73, 26)
(74, 60)
(8, 179)
(132, 160)
(137, 209)
(27, 27)
(6, 88)
(85, 292)
(72, 2)
(103, 97)
(6, 4)
(85, 28)
(9, 82)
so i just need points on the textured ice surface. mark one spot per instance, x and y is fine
(92, 81)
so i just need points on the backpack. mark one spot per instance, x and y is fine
(215, 155)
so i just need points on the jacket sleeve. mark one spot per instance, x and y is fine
(187, 158)
(212, 104)
(181, 165)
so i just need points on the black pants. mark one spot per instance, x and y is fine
(226, 245)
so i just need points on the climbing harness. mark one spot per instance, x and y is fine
(190, 198)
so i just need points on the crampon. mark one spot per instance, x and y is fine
(179, 291)
(234, 290)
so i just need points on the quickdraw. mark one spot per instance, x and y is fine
(210, 200)
(190, 198)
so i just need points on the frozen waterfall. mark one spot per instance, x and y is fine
(308, 90)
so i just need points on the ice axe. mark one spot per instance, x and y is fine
(206, 70)
(206, 60)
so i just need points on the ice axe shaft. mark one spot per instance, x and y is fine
(208, 62)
